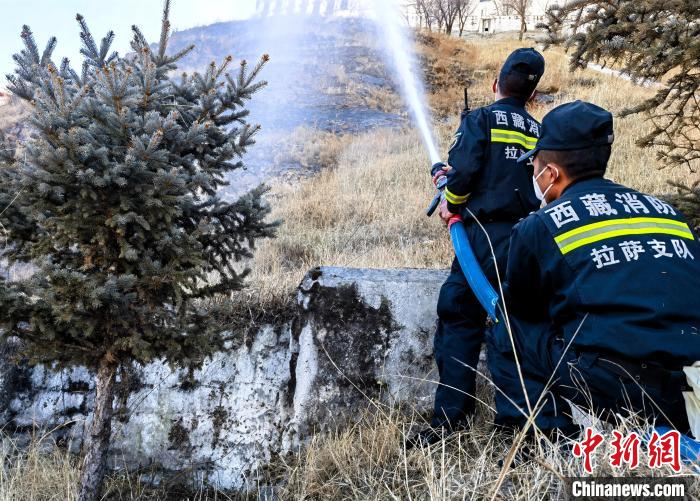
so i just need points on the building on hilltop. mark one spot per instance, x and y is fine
(488, 16)
(266, 8)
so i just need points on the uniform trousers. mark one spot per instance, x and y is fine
(461, 325)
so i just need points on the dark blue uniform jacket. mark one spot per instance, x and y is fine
(627, 260)
(485, 175)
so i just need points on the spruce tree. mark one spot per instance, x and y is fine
(651, 40)
(120, 212)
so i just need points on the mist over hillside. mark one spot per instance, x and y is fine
(324, 73)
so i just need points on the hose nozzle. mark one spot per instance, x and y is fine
(437, 167)
(440, 184)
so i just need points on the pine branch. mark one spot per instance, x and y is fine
(30, 45)
(164, 31)
(138, 42)
(653, 41)
(89, 49)
(104, 49)
(181, 54)
(48, 51)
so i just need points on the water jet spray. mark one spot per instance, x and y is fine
(398, 43)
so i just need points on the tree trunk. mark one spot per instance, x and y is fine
(523, 28)
(97, 441)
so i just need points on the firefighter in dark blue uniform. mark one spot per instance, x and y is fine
(484, 181)
(602, 288)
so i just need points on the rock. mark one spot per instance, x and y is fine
(358, 336)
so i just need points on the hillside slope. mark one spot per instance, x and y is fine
(324, 74)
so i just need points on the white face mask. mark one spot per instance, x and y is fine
(538, 192)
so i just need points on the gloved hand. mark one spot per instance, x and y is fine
(441, 172)
(436, 167)
(445, 213)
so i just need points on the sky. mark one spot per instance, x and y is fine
(48, 18)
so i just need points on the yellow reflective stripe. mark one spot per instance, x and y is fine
(455, 199)
(595, 232)
(513, 133)
(614, 222)
(513, 140)
(620, 233)
(513, 137)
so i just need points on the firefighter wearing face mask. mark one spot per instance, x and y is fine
(602, 289)
(483, 177)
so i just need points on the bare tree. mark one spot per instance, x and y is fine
(521, 8)
(426, 12)
(406, 12)
(443, 14)
(439, 20)
(447, 13)
(465, 8)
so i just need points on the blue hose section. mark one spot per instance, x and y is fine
(478, 282)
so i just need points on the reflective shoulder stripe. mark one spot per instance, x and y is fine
(613, 222)
(455, 199)
(513, 137)
(513, 140)
(602, 230)
(514, 133)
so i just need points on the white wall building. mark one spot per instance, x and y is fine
(487, 16)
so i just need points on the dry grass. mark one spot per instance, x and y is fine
(36, 472)
(311, 148)
(371, 96)
(369, 461)
(39, 470)
(367, 212)
(359, 94)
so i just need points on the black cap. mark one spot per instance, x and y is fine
(527, 62)
(574, 126)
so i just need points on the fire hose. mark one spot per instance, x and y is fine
(479, 284)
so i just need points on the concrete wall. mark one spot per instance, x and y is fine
(356, 335)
